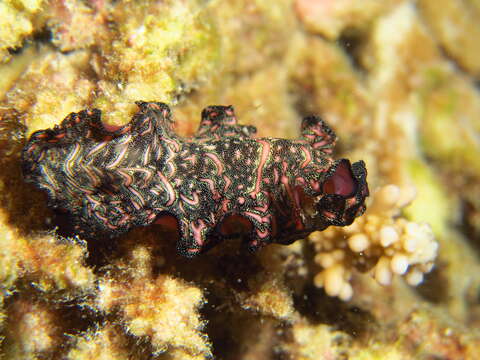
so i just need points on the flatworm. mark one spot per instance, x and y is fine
(221, 183)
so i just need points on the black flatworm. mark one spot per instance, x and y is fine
(215, 185)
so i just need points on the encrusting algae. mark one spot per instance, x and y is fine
(398, 84)
(163, 308)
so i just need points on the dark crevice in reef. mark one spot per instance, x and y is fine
(467, 226)
(237, 270)
(42, 36)
(319, 308)
(434, 287)
(352, 42)
(100, 251)
(224, 273)
(228, 262)
(22, 202)
(219, 315)
(234, 332)
(16, 50)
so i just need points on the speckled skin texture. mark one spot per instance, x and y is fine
(218, 184)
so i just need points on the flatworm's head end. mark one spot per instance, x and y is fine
(343, 194)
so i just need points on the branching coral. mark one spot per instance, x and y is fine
(380, 242)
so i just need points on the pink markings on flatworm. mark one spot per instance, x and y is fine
(263, 159)
(192, 202)
(308, 157)
(216, 161)
(168, 187)
(197, 231)
(211, 186)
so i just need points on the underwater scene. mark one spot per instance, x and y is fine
(240, 179)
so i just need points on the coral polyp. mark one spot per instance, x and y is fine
(218, 184)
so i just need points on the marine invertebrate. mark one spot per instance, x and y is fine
(379, 242)
(112, 179)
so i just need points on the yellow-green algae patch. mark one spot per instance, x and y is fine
(430, 191)
(161, 308)
(312, 342)
(160, 49)
(456, 263)
(381, 352)
(332, 18)
(450, 109)
(10, 72)
(58, 85)
(16, 22)
(243, 51)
